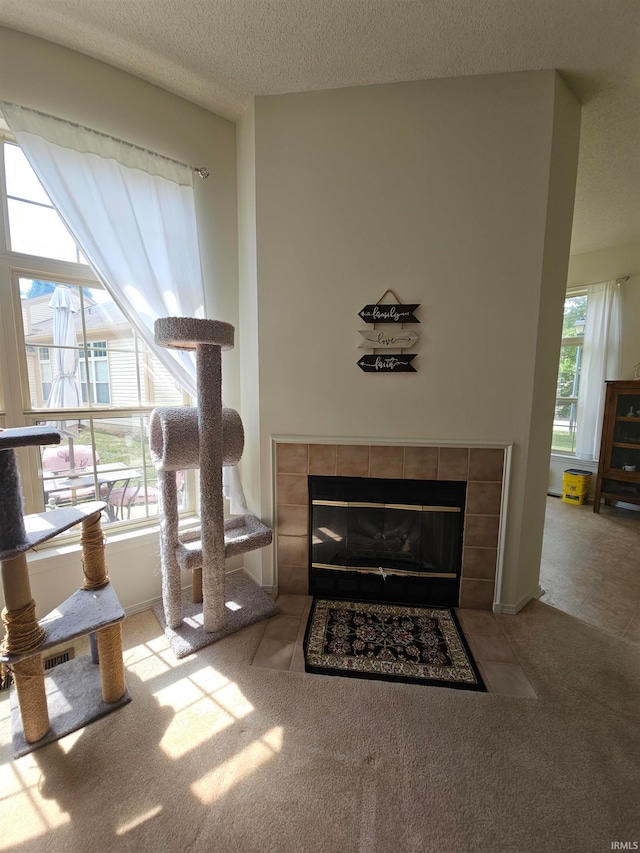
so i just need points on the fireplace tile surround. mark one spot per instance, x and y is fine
(483, 468)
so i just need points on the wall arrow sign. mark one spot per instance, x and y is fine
(387, 338)
(389, 313)
(399, 363)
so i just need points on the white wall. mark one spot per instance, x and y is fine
(444, 191)
(588, 268)
(439, 189)
(44, 76)
(249, 331)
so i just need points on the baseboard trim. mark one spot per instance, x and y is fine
(141, 606)
(513, 609)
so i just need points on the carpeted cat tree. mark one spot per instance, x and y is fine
(207, 437)
(82, 689)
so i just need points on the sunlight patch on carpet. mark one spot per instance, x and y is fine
(138, 821)
(217, 782)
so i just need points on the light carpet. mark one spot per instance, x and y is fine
(216, 754)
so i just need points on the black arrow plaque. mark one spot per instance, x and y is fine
(389, 313)
(399, 363)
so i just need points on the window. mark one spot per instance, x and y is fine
(83, 369)
(34, 225)
(44, 360)
(568, 387)
(95, 388)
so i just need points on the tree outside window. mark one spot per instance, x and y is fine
(568, 386)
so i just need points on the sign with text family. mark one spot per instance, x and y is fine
(389, 313)
(399, 363)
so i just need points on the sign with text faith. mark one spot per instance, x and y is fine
(399, 363)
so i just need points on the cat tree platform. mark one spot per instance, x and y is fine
(44, 708)
(73, 689)
(42, 526)
(242, 533)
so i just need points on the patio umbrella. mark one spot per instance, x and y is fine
(65, 392)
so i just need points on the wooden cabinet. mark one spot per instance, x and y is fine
(619, 465)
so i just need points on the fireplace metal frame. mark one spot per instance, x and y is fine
(388, 582)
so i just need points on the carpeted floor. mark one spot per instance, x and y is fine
(215, 754)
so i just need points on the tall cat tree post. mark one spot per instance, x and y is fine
(218, 440)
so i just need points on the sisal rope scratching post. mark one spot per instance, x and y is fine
(109, 638)
(93, 561)
(111, 663)
(197, 585)
(22, 632)
(28, 675)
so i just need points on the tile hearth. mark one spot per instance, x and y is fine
(481, 467)
(281, 646)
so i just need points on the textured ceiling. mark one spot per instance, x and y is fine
(220, 53)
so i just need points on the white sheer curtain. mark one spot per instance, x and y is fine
(601, 361)
(133, 215)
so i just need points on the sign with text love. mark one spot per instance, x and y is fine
(387, 338)
(389, 313)
(399, 363)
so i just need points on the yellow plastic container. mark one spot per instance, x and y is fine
(575, 486)
(577, 500)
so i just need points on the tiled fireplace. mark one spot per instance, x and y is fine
(482, 468)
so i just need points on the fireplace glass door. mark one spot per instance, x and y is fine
(388, 540)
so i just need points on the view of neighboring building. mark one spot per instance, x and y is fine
(115, 377)
(122, 371)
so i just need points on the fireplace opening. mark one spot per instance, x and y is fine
(386, 540)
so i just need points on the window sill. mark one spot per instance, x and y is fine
(117, 543)
(588, 463)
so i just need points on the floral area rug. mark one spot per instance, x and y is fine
(393, 642)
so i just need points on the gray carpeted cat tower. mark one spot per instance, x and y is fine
(75, 693)
(207, 437)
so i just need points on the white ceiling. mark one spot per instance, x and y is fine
(220, 53)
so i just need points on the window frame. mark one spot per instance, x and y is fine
(16, 407)
(88, 361)
(573, 341)
(49, 371)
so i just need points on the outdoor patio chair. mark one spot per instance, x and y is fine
(56, 461)
(124, 498)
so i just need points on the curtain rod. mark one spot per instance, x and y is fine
(201, 171)
(619, 280)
